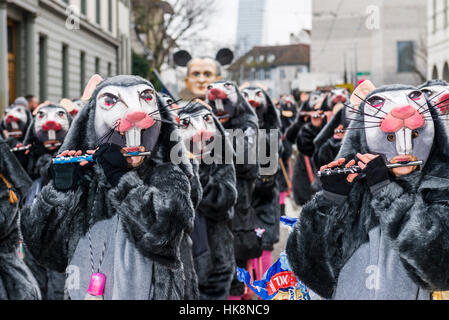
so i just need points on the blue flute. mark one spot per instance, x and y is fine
(89, 158)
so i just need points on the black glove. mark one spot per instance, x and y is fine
(376, 171)
(65, 176)
(37, 149)
(114, 164)
(336, 184)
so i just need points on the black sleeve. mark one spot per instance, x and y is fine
(305, 138)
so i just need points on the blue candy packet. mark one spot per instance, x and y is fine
(278, 282)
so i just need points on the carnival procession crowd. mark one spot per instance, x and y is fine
(94, 207)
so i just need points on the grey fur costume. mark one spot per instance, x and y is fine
(51, 283)
(219, 196)
(265, 200)
(16, 280)
(405, 225)
(246, 243)
(153, 203)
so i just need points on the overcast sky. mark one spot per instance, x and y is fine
(282, 18)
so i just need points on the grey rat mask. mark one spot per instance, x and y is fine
(395, 124)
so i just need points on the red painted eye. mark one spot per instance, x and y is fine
(245, 95)
(147, 95)
(376, 101)
(207, 118)
(41, 115)
(259, 94)
(110, 100)
(415, 95)
(61, 114)
(228, 85)
(185, 123)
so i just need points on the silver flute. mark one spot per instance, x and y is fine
(357, 169)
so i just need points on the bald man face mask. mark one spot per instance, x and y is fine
(201, 73)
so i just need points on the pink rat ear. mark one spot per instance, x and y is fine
(43, 104)
(67, 104)
(94, 81)
(361, 92)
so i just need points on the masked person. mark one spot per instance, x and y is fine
(437, 91)
(265, 199)
(309, 122)
(45, 136)
(16, 121)
(116, 225)
(380, 234)
(237, 116)
(328, 142)
(16, 280)
(202, 132)
(201, 72)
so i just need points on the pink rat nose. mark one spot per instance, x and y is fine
(202, 135)
(403, 112)
(402, 117)
(137, 119)
(136, 116)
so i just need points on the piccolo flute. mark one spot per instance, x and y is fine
(25, 148)
(303, 114)
(89, 158)
(357, 169)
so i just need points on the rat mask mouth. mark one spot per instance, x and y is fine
(52, 144)
(202, 148)
(403, 159)
(15, 133)
(223, 116)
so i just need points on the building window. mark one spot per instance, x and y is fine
(43, 55)
(446, 72)
(261, 74)
(268, 74)
(65, 71)
(252, 74)
(82, 71)
(406, 56)
(434, 17)
(109, 69)
(97, 65)
(435, 73)
(282, 73)
(110, 15)
(98, 12)
(83, 7)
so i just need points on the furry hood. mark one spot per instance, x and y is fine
(81, 135)
(271, 118)
(244, 115)
(196, 107)
(328, 131)
(12, 170)
(29, 120)
(30, 136)
(432, 83)
(355, 140)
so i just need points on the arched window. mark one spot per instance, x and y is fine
(434, 73)
(446, 72)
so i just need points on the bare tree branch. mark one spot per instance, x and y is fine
(167, 23)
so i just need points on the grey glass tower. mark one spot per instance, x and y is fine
(250, 24)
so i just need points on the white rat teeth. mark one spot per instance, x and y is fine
(14, 125)
(133, 137)
(219, 105)
(51, 135)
